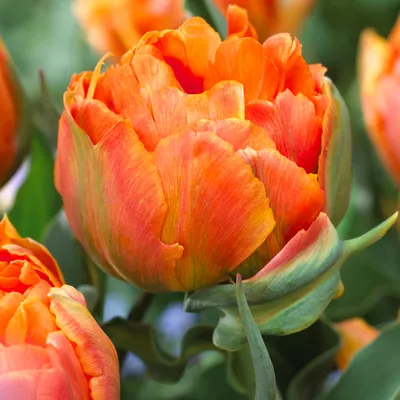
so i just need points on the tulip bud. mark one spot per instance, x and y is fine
(194, 157)
(117, 25)
(13, 134)
(379, 72)
(355, 334)
(272, 16)
(50, 345)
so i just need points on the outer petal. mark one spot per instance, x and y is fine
(232, 62)
(11, 242)
(355, 334)
(216, 208)
(295, 197)
(376, 58)
(94, 349)
(293, 125)
(122, 230)
(238, 23)
(237, 132)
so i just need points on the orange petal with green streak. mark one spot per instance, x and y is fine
(217, 209)
(293, 125)
(16, 246)
(239, 133)
(355, 334)
(93, 348)
(238, 23)
(117, 217)
(224, 100)
(295, 198)
(232, 62)
(294, 72)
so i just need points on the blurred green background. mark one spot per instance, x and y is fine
(43, 35)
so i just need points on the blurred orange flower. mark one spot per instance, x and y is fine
(117, 25)
(193, 156)
(379, 71)
(355, 334)
(272, 16)
(9, 116)
(50, 345)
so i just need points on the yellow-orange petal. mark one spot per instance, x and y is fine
(123, 238)
(355, 334)
(216, 207)
(238, 22)
(94, 349)
(292, 124)
(295, 197)
(239, 133)
(12, 243)
(224, 100)
(232, 62)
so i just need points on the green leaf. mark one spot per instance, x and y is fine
(291, 291)
(141, 340)
(37, 201)
(66, 250)
(261, 382)
(374, 372)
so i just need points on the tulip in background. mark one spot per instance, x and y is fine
(13, 143)
(117, 25)
(194, 157)
(379, 69)
(272, 16)
(50, 345)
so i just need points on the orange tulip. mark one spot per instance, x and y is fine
(194, 156)
(117, 25)
(50, 345)
(9, 160)
(379, 71)
(272, 16)
(355, 334)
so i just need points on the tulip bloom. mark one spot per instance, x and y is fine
(50, 345)
(355, 334)
(117, 25)
(272, 16)
(193, 156)
(9, 118)
(379, 71)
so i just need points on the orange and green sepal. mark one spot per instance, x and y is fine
(292, 290)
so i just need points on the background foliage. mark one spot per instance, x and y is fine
(42, 34)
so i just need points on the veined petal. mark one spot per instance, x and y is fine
(238, 132)
(94, 349)
(293, 125)
(238, 23)
(295, 198)
(232, 62)
(122, 230)
(224, 100)
(216, 207)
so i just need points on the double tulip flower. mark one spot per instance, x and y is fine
(193, 158)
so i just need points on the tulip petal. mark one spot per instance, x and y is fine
(238, 22)
(232, 62)
(293, 125)
(282, 179)
(85, 174)
(224, 100)
(239, 133)
(294, 72)
(94, 349)
(216, 207)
